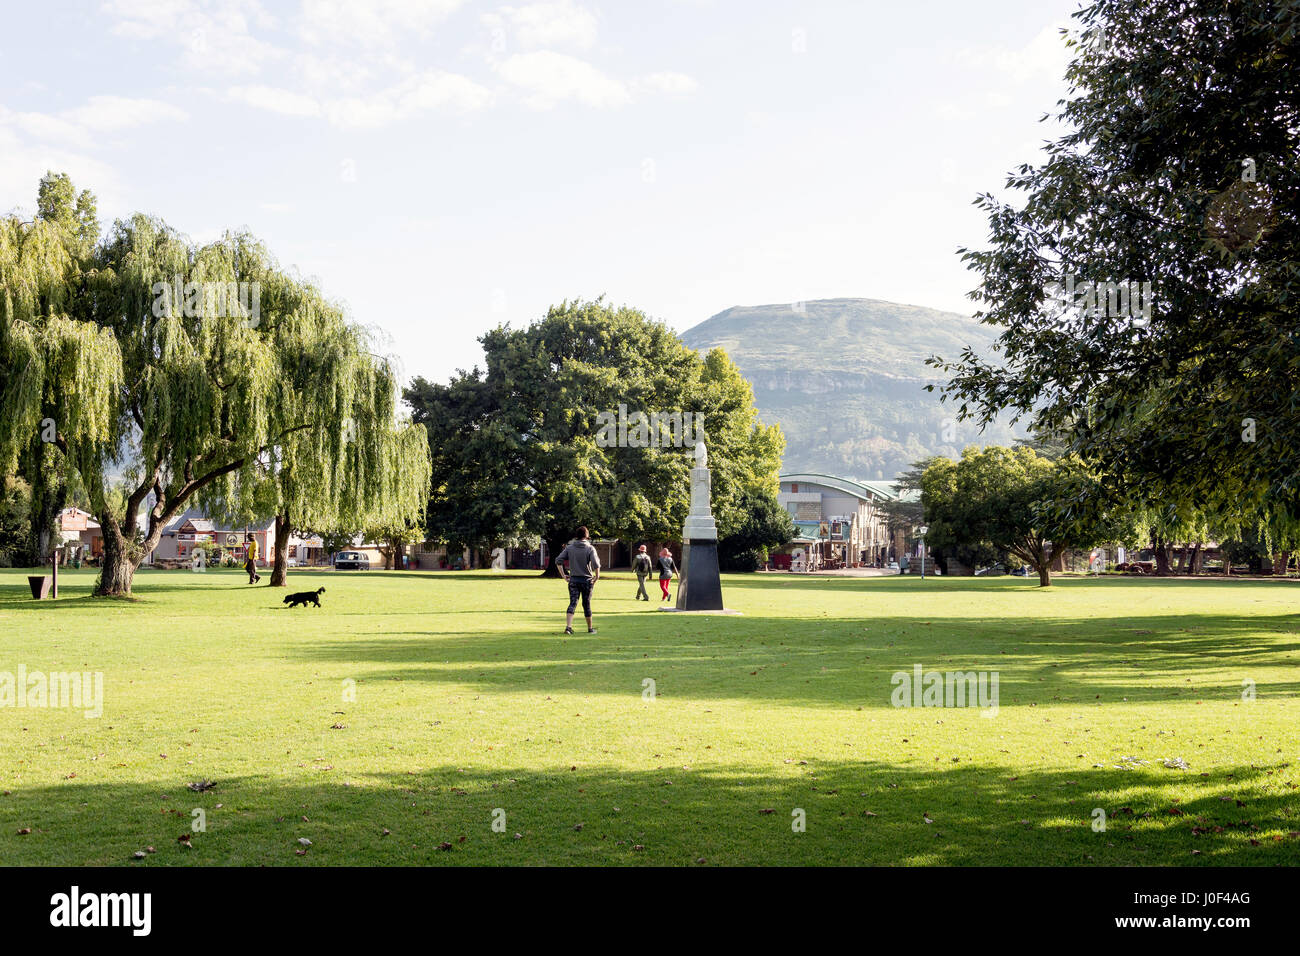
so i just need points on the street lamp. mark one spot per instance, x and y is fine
(922, 531)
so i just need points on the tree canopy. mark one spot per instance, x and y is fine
(1147, 284)
(1001, 501)
(523, 447)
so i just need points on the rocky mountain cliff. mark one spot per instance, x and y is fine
(846, 380)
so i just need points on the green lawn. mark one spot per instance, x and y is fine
(468, 699)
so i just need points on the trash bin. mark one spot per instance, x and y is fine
(41, 585)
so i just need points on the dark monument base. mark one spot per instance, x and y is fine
(700, 587)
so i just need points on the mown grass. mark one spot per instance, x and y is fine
(468, 700)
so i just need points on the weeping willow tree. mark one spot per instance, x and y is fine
(43, 266)
(161, 390)
(357, 463)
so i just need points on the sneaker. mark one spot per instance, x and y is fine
(591, 630)
(568, 630)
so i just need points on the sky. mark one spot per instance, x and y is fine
(442, 167)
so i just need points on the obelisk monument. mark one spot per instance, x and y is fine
(700, 587)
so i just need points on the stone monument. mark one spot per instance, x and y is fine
(700, 587)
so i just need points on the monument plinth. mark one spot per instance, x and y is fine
(700, 586)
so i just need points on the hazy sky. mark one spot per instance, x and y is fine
(442, 166)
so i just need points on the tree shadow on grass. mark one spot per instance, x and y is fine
(873, 812)
(839, 662)
(909, 583)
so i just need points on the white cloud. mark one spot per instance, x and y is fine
(98, 115)
(25, 162)
(1044, 57)
(424, 92)
(370, 23)
(275, 100)
(547, 78)
(547, 24)
(668, 82)
(107, 114)
(209, 35)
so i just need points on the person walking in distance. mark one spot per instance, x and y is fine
(251, 565)
(667, 568)
(642, 565)
(581, 572)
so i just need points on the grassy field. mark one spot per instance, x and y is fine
(470, 704)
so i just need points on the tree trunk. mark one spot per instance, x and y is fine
(1194, 566)
(280, 571)
(1182, 558)
(48, 498)
(118, 566)
(1280, 561)
(553, 548)
(1161, 551)
(397, 548)
(1044, 574)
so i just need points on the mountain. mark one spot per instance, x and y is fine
(845, 379)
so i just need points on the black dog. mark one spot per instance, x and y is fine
(303, 597)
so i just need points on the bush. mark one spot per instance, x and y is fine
(744, 561)
(763, 524)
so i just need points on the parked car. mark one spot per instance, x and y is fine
(992, 569)
(1022, 571)
(351, 561)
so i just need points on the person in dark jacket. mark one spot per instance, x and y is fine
(667, 568)
(642, 565)
(580, 565)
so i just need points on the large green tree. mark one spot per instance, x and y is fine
(359, 463)
(518, 447)
(1178, 181)
(1012, 501)
(166, 370)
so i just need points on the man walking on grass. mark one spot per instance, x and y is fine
(641, 564)
(582, 572)
(251, 565)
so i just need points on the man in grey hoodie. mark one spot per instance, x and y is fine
(582, 572)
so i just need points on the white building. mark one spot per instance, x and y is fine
(840, 520)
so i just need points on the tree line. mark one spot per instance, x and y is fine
(143, 374)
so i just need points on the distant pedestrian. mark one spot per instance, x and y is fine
(642, 565)
(667, 568)
(251, 565)
(582, 572)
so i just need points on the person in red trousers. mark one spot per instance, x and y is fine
(667, 568)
